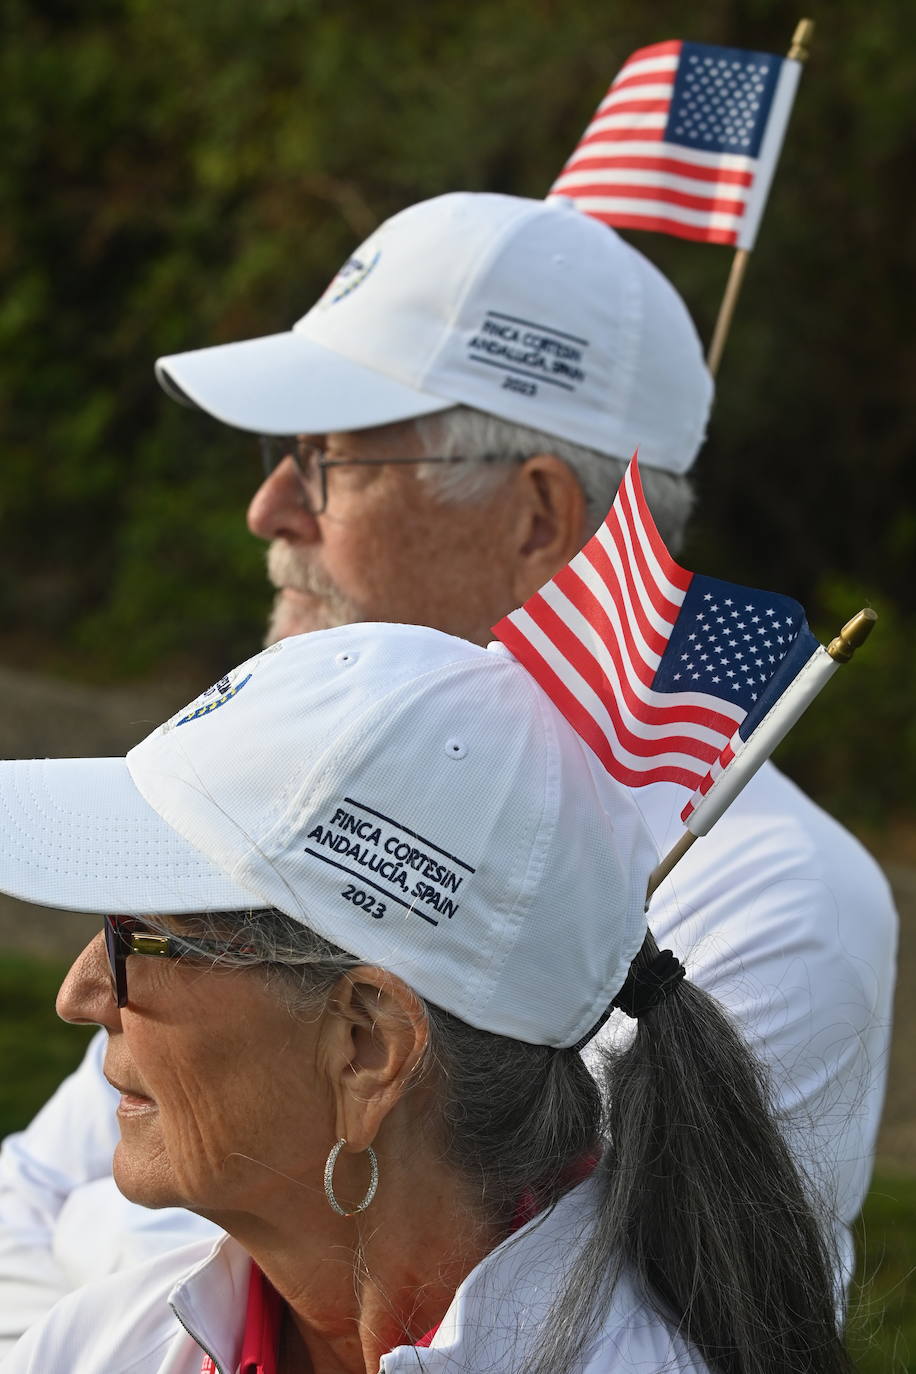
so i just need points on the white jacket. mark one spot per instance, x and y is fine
(778, 912)
(161, 1317)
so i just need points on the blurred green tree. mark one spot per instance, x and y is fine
(178, 174)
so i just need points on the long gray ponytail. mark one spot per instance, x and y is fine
(703, 1202)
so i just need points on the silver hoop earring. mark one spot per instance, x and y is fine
(329, 1180)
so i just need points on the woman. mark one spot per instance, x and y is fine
(376, 895)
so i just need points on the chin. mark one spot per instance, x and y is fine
(145, 1178)
(294, 613)
(281, 625)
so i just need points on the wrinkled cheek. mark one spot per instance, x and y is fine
(201, 1150)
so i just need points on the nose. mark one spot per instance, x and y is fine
(86, 994)
(278, 509)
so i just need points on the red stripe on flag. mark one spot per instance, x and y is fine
(577, 650)
(706, 785)
(632, 515)
(622, 648)
(698, 233)
(634, 601)
(705, 204)
(576, 653)
(650, 135)
(580, 719)
(632, 482)
(664, 77)
(585, 630)
(668, 48)
(585, 601)
(626, 655)
(635, 106)
(642, 597)
(634, 163)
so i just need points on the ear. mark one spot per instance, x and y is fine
(550, 528)
(375, 1038)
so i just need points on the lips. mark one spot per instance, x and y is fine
(126, 1091)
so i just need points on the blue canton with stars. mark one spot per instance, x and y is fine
(736, 643)
(721, 98)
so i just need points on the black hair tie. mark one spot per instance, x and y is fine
(648, 984)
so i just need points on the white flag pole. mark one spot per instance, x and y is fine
(771, 731)
(798, 52)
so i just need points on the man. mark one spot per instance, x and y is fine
(462, 402)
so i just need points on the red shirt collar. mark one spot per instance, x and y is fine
(261, 1335)
(264, 1313)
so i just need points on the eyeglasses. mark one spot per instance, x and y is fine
(312, 465)
(125, 935)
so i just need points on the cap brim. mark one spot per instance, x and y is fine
(79, 836)
(287, 384)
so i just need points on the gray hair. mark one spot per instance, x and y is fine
(474, 434)
(700, 1198)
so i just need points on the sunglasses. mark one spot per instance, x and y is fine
(125, 935)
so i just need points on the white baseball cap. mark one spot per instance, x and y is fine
(525, 309)
(415, 799)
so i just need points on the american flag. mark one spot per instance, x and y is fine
(686, 142)
(663, 672)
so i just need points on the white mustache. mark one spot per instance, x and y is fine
(288, 568)
(292, 569)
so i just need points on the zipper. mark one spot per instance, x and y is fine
(214, 1363)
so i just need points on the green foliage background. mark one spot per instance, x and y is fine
(179, 172)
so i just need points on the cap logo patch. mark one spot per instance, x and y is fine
(213, 698)
(382, 861)
(528, 355)
(353, 273)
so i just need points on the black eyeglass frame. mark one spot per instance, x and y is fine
(275, 447)
(126, 935)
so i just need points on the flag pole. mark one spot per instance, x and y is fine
(770, 732)
(798, 52)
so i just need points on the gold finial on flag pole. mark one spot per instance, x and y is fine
(852, 636)
(769, 733)
(801, 40)
(798, 52)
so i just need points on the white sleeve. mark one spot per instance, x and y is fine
(69, 1142)
(122, 1324)
(63, 1222)
(784, 918)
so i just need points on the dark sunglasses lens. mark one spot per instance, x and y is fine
(116, 960)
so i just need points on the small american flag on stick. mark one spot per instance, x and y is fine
(666, 674)
(686, 142)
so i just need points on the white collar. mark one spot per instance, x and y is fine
(501, 1304)
(506, 1297)
(211, 1300)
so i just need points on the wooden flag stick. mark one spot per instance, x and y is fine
(770, 732)
(798, 52)
(727, 309)
(662, 869)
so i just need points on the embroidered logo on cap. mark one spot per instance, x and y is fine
(353, 273)
(211, 700)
